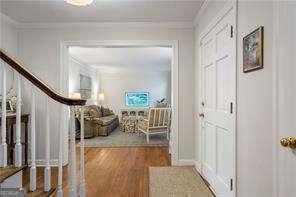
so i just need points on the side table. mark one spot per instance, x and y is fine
(129, 124)
(10, 122)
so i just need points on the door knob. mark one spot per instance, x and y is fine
(201, 115)
(289, 142)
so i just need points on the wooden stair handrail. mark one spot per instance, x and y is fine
(37, 82)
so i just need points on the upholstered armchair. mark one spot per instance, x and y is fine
(158, 121)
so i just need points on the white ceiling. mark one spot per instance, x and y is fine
(57, 11)
(110, 60)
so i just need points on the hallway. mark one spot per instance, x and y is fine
(112, 172)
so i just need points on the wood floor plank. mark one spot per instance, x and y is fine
(113, 172)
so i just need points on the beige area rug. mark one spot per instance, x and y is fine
(176, 182)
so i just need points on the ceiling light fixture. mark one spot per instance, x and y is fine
(79, 2)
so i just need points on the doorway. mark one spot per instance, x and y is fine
(218, 102)
(125, 86)
(173, 139)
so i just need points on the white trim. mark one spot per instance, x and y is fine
(89, 68)
(276, 29)
(112, 25)
(235, 37)
(174, 142)
(198, 107)
(52, 162)
(200, 12)
(170, 25)
(64, 120)
(197, 166)
(7, 19)
(229, 5)
(186, 162)
(77, 61)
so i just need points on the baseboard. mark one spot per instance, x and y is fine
(186, 162)
(197, 166)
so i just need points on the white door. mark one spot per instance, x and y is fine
(286, 102)
(218, 84)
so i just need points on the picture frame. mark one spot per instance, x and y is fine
(85, 86)
(137, 99)
(253, 50)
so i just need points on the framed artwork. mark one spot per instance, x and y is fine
(253, 50)
(85, 86)
(137, 99)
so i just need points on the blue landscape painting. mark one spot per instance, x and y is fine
(137, 99)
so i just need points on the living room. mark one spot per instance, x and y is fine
(128, 92)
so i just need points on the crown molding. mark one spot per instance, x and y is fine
(82, 64)
(77, 61)
(167, 25)
(200, 12)
(111, 25)
(8, 20)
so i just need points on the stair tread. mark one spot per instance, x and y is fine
(39, 183)
(8, 171)
(39, 192)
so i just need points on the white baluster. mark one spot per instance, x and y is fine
(73, 186)
(18, 145)
(82, 177)
(3, 148)
(47, 174)
(61, 148)
(33, 162)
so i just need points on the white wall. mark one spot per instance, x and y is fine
(254, 115)
(8, 35)
(75, 69)
(8, 42)
(40, 50)
(114, 86)
(254, 101)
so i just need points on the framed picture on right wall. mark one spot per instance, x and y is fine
(253, 50)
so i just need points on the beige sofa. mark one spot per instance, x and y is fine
(99, 121)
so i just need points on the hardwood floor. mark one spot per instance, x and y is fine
(113, 172)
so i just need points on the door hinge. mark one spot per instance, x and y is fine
(231, 184)
(231, 31)
(231, 107)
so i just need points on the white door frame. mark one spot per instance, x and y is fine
(64, 79)
(228, 6)
(275, 118)
(276, 90)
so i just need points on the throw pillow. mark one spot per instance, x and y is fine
(95, 112)
(106, 111)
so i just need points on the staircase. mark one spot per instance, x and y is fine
(11, 176)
